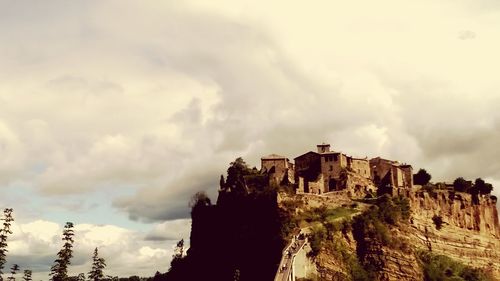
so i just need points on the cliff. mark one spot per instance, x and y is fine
(389, 247)
(470, 233)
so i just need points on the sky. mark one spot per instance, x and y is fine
(114, 113)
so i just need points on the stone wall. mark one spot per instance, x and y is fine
(361, 166)
(280, 168)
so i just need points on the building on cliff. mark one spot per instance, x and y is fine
(278, 167)
(325, 170)
(391, 174)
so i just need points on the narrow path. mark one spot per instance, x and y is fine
(285, 268)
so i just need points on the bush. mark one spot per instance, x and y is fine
(461, 185)
(316, 237)
(438, 221)
(439, 267)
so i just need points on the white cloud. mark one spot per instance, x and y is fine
(35, 244)
(163, 95)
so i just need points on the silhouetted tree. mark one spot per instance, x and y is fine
(4, 233)
(59, 271)
(199, 199)
(483, 187)
(461, 185)
(27, 275)
(98, 264)
(235, 173)
(13, 270)
(179, 250)
(222, 183)
(421, 177)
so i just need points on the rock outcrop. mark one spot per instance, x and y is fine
(458, 209)
(470, 233)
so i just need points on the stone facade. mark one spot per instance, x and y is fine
(279, 168)
(391, 173)
(330, 165)
(360, 166)
(325, 170)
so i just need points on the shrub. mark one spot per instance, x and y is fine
(439, 267)
(438, 221)
(316, 237)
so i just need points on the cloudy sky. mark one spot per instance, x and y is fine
(113, 113)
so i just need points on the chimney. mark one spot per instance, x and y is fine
(322, 148)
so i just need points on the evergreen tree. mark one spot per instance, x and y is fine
(98, 264)
(27, 275)
(222, 183)
(13, 270)
(4, 232)
(178, 253)
(81, 277)
(59, 271)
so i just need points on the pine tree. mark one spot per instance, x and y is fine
(59, 271)
(81, 277)
(98, 264)
(13, 270)
(4, 233)
(27, 275)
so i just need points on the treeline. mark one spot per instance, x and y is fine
(59, 270)
(475, 188)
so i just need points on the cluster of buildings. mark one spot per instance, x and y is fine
(325, 170)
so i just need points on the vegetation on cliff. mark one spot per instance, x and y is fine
(443, 268)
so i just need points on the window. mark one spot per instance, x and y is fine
(331, 168)
(335, 157)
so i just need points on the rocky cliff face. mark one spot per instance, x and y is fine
(395, 264)
(457, 209)
(470, 232)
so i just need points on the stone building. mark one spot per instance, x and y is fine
(325, 170)
(321, 171)
(279, 168)
(395, 176)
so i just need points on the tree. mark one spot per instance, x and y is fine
(4, 233)
(482, 187)
(438, 221)
(98, 264)
(27, 275)
(59, 271)
(13, 270)
(81, 277)
(421, 177)
(222, 183)
(235, 173)
(199, 199)
(178, 253)
(461, 185)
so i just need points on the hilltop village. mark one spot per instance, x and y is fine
(325, 170)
